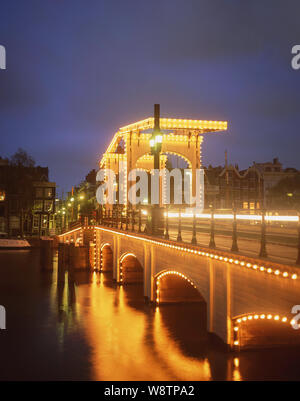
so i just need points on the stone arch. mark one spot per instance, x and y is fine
(257, 330)
(189, 163)
(171, 286)
(106, 257)
(130, 269)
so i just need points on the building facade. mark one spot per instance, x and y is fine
(27, 201)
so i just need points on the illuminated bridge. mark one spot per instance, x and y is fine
(244, 296)
(248, 299)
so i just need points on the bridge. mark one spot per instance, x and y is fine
(248, 298)
(243, 295)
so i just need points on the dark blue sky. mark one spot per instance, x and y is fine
(78, 70)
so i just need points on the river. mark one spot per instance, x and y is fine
(93, 329)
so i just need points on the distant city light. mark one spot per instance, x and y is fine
(238, 216)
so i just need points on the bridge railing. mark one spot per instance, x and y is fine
(235, 229)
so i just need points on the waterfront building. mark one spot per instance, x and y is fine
(27, 200)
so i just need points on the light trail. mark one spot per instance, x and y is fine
(254, 217)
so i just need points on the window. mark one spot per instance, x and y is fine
(48, 206)
(2, 196)
(44, 221)
(36, 219)
(245, 205)
(48, 192)
(38, 192)
(38, 205)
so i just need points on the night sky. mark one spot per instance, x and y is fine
(78, 70)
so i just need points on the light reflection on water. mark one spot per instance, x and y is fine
(94, 329)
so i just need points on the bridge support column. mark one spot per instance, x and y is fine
(219, 303)
(116, 256)
(210, 304)
(152, 270)
(147, 272)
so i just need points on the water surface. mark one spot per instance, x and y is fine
(92, 329)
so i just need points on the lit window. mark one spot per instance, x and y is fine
(36, 219)
(2, 196)
(44, 221)
(48, 192)
(48, 206)
(38, 205)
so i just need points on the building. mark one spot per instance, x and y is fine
(228, 186)
(241, 189)
(80, 203)
(27, 200)
(273, 173)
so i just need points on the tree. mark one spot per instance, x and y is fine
(22, 158)
(286, 193)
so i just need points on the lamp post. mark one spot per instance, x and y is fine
(263, 250)
(234, 246)
(212, 243)
(155, 146)
(298, 257)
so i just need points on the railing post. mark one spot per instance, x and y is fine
(132, 219)
(298, 257)
(101, 215)
(234, 246)
(179, 238)
(127, 218)
(117, 217)
(121, 218)
(140, 219)
(212, 243)
(167, 224)
(263, 250)
(194, 237)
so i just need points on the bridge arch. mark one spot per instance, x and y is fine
(106, 257)
(130, 269)
(253, 330)
(171, 286)
(178, 154)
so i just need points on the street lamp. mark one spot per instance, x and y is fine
(155, 218)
